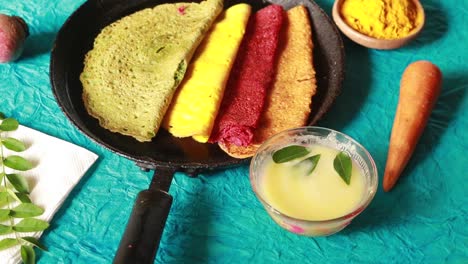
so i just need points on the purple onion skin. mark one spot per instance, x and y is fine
(13, 33)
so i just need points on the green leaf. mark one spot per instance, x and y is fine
(4, 198)
(31, 225)
(9, 124)
(2, 116)
(19, 182)
(26, 210)
(18, 163)
(9, 193)
(313, 161)
(4, 229)
(13, 144)
(13, 195)
(27, 255)
(4, 214)
(8, 243)
(289, 153)
(35, 242)
(343, 166)
(23, 197)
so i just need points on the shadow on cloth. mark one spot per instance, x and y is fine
(356, 87)
(188, 225)
(39, 44)
(435, 26)
(447, 107)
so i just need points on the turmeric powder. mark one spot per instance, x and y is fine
(382, 19)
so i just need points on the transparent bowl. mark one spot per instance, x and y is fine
(308, 136)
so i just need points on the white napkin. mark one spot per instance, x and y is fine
(59, 166)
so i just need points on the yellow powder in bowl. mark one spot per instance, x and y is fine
(382, 19)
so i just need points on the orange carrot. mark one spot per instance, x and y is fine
(419, 89)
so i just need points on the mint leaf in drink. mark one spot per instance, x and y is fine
(289, 153)
(311, 162)
(314, 161)
(343, 165)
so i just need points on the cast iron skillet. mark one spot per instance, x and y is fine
(165, 153)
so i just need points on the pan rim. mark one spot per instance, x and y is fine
(151, 163)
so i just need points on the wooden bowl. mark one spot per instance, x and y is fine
(371, 42)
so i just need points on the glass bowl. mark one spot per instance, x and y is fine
(308, 136)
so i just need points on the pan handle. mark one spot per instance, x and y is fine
(140, 241)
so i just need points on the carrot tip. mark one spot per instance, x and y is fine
(389, 181)
(387, 188)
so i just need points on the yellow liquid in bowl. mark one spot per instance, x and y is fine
(321, 195)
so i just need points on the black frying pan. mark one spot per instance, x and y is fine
(165, 153)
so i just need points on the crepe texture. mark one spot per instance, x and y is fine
(288, 103)
(196, 102)
(216, 218)
(137, 62)
(250, 78)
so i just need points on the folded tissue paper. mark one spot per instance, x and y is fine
(58, 167)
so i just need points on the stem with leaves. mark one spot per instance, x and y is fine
(15, 203)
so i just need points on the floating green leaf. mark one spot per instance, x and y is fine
(35, 242)
(9, 124)
(343, 166)
(2, 116)
(19, 182)
(4, 229)
(313, 161)
(26, 210)
(8, 243)
(4, 214)
(28, 256)
(13, 144)
(17, 163)
(31, 225)
(23, 197)
(289, 153)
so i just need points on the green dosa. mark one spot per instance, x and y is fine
(137, 62)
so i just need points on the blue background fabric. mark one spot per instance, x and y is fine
(216, 218)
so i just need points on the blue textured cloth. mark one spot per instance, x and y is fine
(216, 218)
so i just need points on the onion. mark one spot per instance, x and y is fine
(13, 33)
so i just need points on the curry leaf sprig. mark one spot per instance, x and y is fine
(17, 211)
